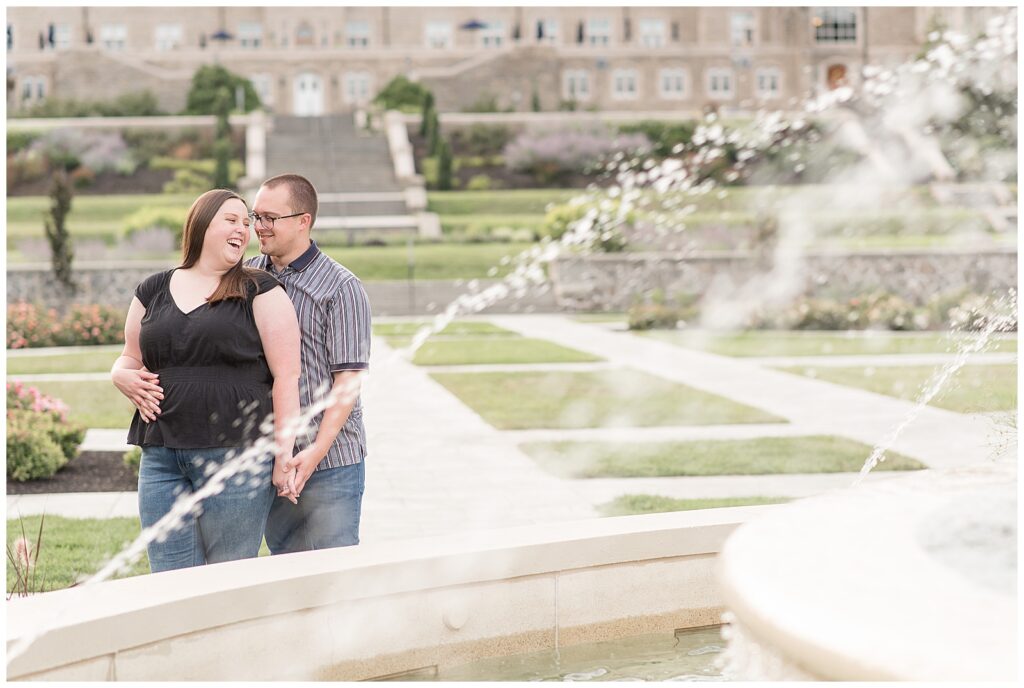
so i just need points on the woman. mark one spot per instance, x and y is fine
(211, 347)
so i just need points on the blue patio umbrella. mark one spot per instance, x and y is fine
(473, 25)
(222, 35)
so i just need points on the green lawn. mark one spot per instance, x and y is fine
(503, 202)
(492, 349)
(601, 317)
(78, 547)
(72, 548)
(973, 389)
(99, 216)
(787, 343)
(456, 328)
(762, 456)
(97, 361)
(95, 404)
(448, 261)
(513, 401)
(632, 504)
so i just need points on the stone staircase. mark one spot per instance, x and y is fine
(352, 171)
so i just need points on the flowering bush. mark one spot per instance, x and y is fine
(29, 325)
(32, 450)
(551, 155)
(98, 150)
(40, 440)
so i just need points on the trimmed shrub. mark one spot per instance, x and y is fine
(207, 83)
(187, 181)
(40, 440)
(651, 316)
(481, 139)
(25, 167)
(32, 452)
(82, 177)
(664, 136)
(606, 227)
(148, 217)
(20, 140)
(133, 459)
(401, 94)
(481, 182)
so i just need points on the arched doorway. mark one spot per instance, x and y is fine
(835, 76)
(308, 98)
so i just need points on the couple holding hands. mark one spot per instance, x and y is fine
(215, 346)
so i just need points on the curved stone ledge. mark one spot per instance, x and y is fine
(379, 609)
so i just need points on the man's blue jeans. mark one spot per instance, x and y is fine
(327, 514)
(229, 525)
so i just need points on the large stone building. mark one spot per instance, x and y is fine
(313, 60)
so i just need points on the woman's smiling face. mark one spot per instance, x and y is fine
(228, 235)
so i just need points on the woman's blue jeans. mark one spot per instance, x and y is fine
(226, 526)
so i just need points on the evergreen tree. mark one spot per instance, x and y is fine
(57, 232)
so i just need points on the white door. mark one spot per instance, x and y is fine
(309, 95)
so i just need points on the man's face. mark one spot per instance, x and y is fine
(286, 234)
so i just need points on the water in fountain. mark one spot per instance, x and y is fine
(912, 103)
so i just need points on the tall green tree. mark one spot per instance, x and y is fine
(428, 108)
(207, 83)
(55, 223)
(444, 166)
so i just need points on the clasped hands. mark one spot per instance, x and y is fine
(142, 387)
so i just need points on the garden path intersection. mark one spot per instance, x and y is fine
(436, 467)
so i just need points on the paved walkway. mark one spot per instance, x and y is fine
(437, 467)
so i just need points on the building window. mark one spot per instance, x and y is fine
(547, 31)
(652, 33)
(33, 89)
(599, 31)
(769, 80)
(672, 83)
(720, 82)
(112, 36)
(356, 87)
(250, 34)
(835, 25)
(264, 86)
(168, 36)
(438, 34)
(742, 28)
(357, 34)
(624, 84)
(62, 36)
(576, 84)
(304, 35)
(492, 35)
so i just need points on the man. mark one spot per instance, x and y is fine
(334, 318)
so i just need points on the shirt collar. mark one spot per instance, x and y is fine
(300, 263)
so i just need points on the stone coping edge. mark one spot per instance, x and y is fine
(86, 622)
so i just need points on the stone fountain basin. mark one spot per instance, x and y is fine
(910, 579)
(386, 608)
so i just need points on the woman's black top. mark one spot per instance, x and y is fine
(216, 381)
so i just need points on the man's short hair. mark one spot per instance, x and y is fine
(301, 193)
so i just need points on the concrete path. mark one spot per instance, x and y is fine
(937, 437)
(436, 467)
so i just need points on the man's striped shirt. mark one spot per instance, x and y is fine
(334, 318)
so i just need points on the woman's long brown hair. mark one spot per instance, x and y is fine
(200, 215)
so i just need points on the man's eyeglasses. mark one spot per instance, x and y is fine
(267, 222)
